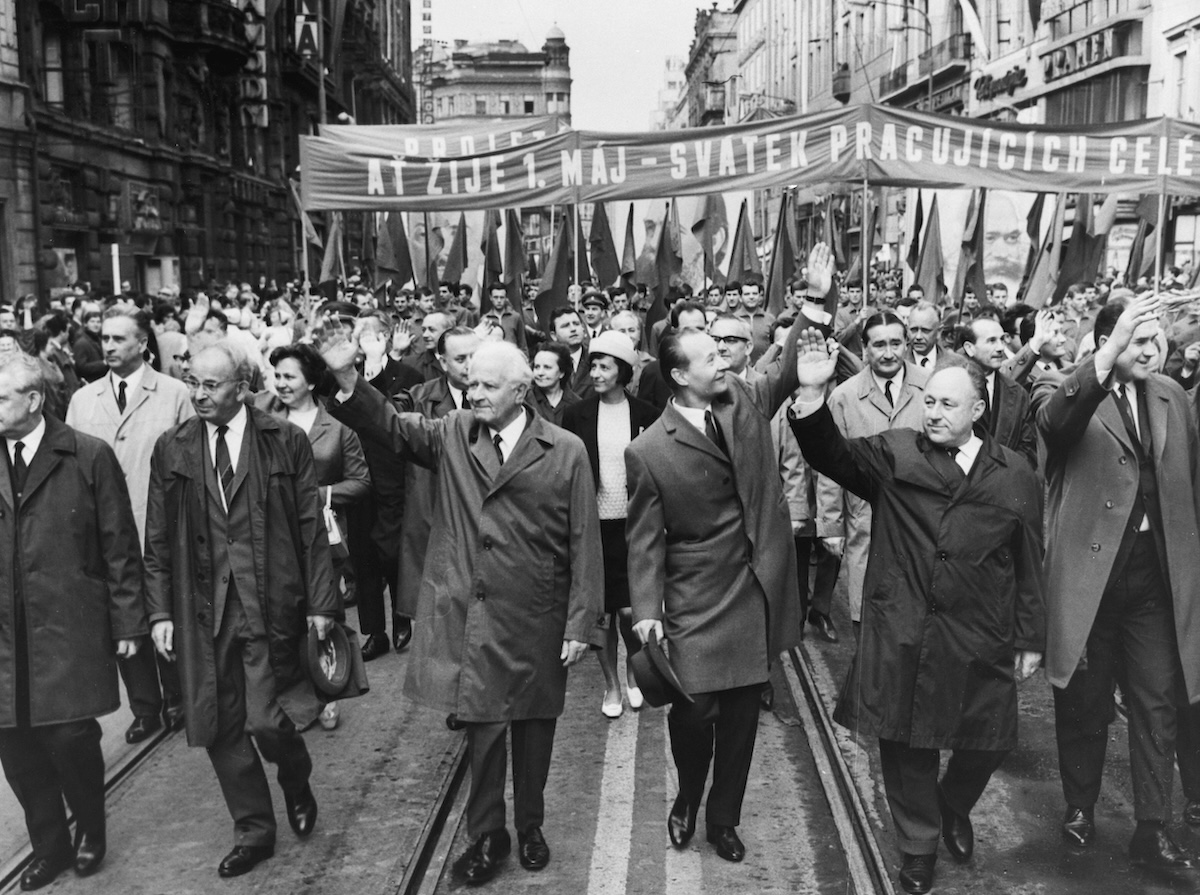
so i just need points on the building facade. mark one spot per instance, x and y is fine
(17, 252)
(711, 70)
(169, 131)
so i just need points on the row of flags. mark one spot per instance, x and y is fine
(1053, 263)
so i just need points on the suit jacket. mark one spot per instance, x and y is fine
(1092, 473)
(156, 405)
(652, 387)
(515, 567)
(78, 572)
(551, 413)
(1012, 419)
(710, 542)
(583, 417)
(860, 409)
(397, 376)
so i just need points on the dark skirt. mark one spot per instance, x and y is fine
(616, 564)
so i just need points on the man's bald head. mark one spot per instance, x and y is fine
(954, 397)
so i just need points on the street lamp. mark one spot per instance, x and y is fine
(928, 35)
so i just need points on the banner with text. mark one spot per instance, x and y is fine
(513, 162)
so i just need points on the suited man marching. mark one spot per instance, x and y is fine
(1006, 414)
(712, 564)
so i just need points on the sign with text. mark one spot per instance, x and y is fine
(361, 167)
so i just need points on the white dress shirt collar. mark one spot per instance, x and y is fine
(30, 442)
(509, 435)
(233, 438)
(694, 415)
(968, 452)
(897, 383)
(132, 381)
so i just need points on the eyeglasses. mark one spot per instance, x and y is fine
(730, 340)
(208, 387)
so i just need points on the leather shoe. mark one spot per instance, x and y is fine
(243, 859)
(374, 646)
(1078, 826)
(766, 697)
(824, 625)
(1152, 846)
(401, 632)
(916, 873)
(89, 853)
(41, 872)
(482, 860)
(174, 717)
(532, 848)
(681, 822)
(1191, 814)
(957, 832)
(727, 843)
(452, 722)
(142, 728)
(301, 810)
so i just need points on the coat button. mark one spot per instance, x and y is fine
(199, 539)
(487, 543)
(1095, 548)
(942, 555)
(1121, 460)
(1108, 503)
(231, 540)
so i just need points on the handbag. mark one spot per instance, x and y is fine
(337, 544)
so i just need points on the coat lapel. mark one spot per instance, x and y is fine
(530, 448)
(57, 441)
(141, 395)
(484, 450)
(1111, 418)
(1158, 408)
(105, 399)
(685, 433)
(6, 492)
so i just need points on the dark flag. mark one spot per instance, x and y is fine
(514, 258)
(783, 259)
(629, 258)
(833, 235)
(579, 251)
(668, 267)
(744, 266)
(1043, 280)
(556, 276)
(705, 230)
(914, 244)
(970, 259)
(1033, 229)
(1078, 253)
(493, 262)
(432, 245)
(930, 267)
(456, 260)
(605, 262)
(392, 255)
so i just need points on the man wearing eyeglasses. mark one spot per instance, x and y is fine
(237, 567)
(732, 336)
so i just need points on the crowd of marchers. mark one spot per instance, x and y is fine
(1005, 488)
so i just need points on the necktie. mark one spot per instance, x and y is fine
(224, 464)
(19, 469)
(887, 393)
(952, 453)
(499, 452)
(925, 361)
(987, 409)
(121, 395)
(714, 433)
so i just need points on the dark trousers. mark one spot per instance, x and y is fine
(825, 578)
(487, 751)
(1187, 747)
(719, 728)
(1132, 642)
(246, 707)
(150, 680)
(373, 568)
(910, 779)
(47, 763)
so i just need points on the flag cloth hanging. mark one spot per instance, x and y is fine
(1079, 249)
(744, 265)
(581, 271)
(556, 276)
(668, 267)
(514, 262)
(310, 232)
(970, 274)
(392, 255)
(930, 267)
(833, 233)
(712, 223)
(783, 259)
(1102, 224)
(493, 261)
(629, 258)
(333, 265)
(1033, 229)
(605, 263)
(430, 245)
(1044, 280)
(457, 259)
(914, 245)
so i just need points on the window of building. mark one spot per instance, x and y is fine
(529, 105)
(481, 105)
(505, 106)
(1182, 103)
(52, 67)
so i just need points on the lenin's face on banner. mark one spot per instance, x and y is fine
(1005, 242)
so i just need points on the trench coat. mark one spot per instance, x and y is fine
(860, 409)
(953, 586)
(79, 572)
(514, 565)
(711, 553)
(292, 567)
(1092, 474)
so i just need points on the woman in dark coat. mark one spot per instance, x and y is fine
(552, 370)
(341, 468)
(607, 422)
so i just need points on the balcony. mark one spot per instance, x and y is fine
(893, 82)
(218, 27)
(954, 52)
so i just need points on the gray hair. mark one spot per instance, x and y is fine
(26, 369)
(242, 369)
(620, 315)
(516, 364)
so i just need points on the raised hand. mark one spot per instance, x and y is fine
(816, 361)
(821, 267)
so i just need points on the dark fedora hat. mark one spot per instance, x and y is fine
(654, 675)
(329, 662)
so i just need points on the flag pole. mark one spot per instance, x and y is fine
(1158, 241)
(577, 238)
(862, 243)
(425, 232)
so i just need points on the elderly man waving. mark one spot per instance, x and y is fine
(512, 592)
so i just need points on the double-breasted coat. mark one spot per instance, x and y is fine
(292, 569)
(953, 586)
(71, 549)
(1092, 473)
(860, 409)
(710, 538)
(514, 564)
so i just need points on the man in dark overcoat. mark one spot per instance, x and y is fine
(1123, 571)
(237, 569)
(952, 614)
(712, 565)
(512, 590)
(72, 603)
(1006, 414)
